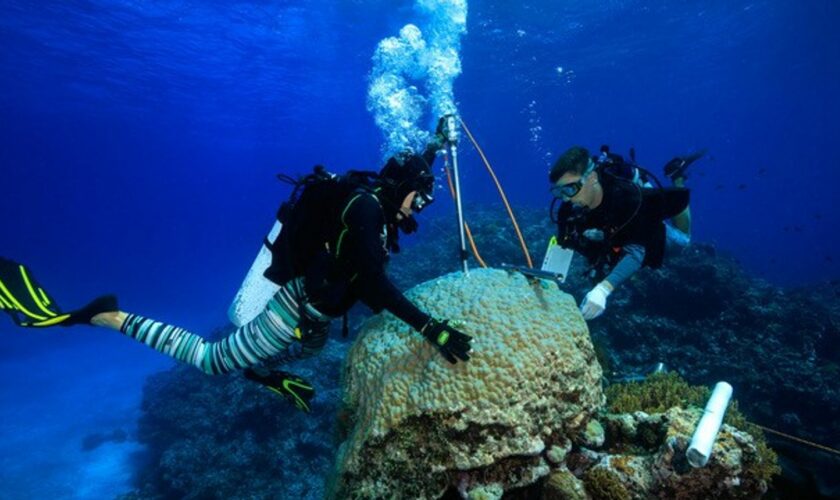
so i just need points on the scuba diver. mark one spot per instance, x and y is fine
(336, 239)
(614, 215)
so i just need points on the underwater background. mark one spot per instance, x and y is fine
(139, 143)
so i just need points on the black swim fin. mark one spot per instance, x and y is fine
(675, 169)
(297, 390)
(29, 305)
(83, 316)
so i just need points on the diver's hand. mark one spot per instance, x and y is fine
(595, 302)
(441, 126)
(450, 342)
(446, 131)
(439, 140)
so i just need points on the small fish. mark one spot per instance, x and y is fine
(719, 187)
(787, 229)
(762, 171)
(818, 216)
(797, 229)
(742, 186)
(828, 258)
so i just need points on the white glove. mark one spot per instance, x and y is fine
(595, 302)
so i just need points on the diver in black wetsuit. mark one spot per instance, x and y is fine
(318, 282)
(614, 217)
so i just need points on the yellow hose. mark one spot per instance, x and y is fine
(501, 193)
(798, 440)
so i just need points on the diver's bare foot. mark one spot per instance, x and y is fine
(110, 319)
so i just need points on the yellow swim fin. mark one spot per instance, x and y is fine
(29, 305)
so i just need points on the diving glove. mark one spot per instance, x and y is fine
(450, 342)
(595, 302)
(295, 389)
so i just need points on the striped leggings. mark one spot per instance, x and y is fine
(266, 340)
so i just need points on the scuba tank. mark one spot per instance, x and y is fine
(256, 290)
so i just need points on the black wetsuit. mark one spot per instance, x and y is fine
(350, 265)
(355, 269)
(345, 264)
(628, 215)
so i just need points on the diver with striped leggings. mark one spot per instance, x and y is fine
(321, 274)
(267, 340)
(264, 342)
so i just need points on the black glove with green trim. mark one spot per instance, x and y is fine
(450, 342)
(295, 389)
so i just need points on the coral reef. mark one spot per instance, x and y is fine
(662, 391)
(706, 318)
(603, 484)
(633, 466)
(776, 347)
(657, 393)
(640, 421)
(421, 425)
(701, 314)
(506, 419)
(563, 485)
(227, 437)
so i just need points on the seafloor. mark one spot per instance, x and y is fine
(702, 315)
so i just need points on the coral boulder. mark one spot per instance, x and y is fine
(416, 425)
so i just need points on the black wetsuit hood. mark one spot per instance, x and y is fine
(401, 175)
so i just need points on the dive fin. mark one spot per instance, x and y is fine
(83, 316)
(29, 305)
(665, 203)
(676, 168)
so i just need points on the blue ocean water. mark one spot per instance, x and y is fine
(139, 143)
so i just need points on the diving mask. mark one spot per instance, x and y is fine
(421, 200)
(571, 189)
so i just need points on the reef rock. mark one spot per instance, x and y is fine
(646, 459)
(417, 425)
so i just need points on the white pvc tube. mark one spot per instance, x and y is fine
(256, 289)
(700, 449)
